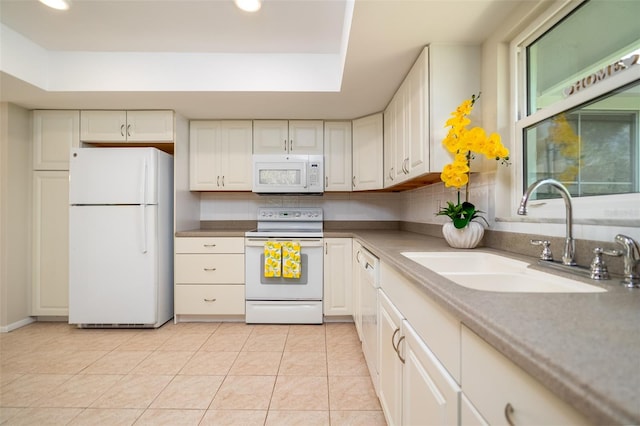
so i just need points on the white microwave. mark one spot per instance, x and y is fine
(288, 174)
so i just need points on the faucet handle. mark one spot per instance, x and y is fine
(546, 249)
(599, 270)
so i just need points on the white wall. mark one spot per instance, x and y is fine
(15, 216)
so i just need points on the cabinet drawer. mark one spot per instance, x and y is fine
(209, 300)
(438, 328)
(210, 268)
(484, 368)
(209, 245)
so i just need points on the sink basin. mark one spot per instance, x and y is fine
(492, 272)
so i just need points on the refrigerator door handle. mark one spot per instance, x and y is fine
(143, 212)
(143, 183)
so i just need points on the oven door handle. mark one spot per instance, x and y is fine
(259, 242)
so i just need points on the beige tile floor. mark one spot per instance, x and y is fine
(186, 374)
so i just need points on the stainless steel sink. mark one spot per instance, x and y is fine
(491, 272)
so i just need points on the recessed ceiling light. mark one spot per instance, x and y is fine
(56, 4)
(247, 5)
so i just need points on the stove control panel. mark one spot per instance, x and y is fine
(285, 214)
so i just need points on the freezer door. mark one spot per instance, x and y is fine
(113, 273)
(102, 176)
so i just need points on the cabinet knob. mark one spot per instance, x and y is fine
(122, 130)
(128, 129)
(209, 245)
(209, 300)
(209, 269)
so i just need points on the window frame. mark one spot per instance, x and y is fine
(586, 208)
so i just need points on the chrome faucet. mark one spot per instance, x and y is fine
(631, 256)
(569, 253)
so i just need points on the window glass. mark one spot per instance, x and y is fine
(593, 36)
(592, 149)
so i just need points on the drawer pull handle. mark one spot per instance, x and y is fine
(398, 350)
(209, 245)
(209, 269)
(209, 300)
(393, 339)
(508, 411)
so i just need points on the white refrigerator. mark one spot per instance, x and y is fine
(120, 237)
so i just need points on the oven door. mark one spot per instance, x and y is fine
(307, 287)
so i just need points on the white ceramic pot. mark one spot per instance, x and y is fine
(467, 237)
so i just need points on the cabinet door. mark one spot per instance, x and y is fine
(54, 134)
(149, 126)
(390, 374)
(204, 140)
(50, 243)
(417, 115)
(270, 137)
(429, 394)
(367, 153)
(337, 156)
(103, 126)
(357, 282)
(389, 141)
(530, 402)
(401, 137)
(234, 156)
(337, 276)
(306, 137)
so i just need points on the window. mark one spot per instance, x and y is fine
(580, 114)
(580, 147)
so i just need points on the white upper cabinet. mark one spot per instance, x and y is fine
(288, 137)
(406, 126)
(220, 155)
(54, 134)
(126, 126)
(454, 75)
(367, 153)
(441, 78)
(337, 156)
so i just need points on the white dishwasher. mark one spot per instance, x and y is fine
(369, 273)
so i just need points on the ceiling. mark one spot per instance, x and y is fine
(324, 59)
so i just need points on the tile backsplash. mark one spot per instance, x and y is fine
(416, 206)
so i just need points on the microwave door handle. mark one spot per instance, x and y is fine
(304, 175)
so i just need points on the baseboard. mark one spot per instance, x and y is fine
(17, 324)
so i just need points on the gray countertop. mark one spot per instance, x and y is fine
(584, 347)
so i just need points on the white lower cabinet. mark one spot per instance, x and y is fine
(50, 287)
(429, 393)
(390, 377)
(338, 292)
(469, 415)
(415, 388)
(515, 396)
(209, 277)
(357, 279)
